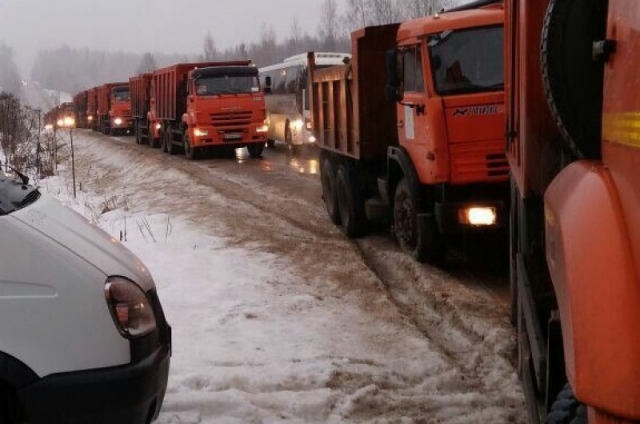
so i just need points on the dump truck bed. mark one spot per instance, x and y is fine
(139, 89)
(351, 114)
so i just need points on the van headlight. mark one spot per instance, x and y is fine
(129, 308)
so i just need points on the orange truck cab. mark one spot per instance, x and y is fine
(423, 148)
(66, 115)
(204, 106)
(573, 131)
(114, 108)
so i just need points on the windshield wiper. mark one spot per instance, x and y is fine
(24, 178)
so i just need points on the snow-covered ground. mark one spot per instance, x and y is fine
(255, 340)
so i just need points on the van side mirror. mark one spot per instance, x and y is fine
(393, 66)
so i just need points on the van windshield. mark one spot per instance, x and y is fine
(467, 61)
(15, 195)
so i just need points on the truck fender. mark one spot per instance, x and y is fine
(399, 165)
(596, 284)
(15, 373)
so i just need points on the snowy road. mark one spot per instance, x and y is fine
(276, 316)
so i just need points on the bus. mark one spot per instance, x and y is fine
(288, 116)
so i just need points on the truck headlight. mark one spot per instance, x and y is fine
(90, 118)
(118, 121)
(478, 216)
(262, 129)
(129, 308)
(158, 126)
(200, 132)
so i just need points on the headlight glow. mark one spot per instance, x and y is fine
(200, 132)
(69, 122)
(478, 216)
(297, 124)
(158, 126)
(60, 122)
(90, 118)
(262, 129)
(117, 121)
(129, 307)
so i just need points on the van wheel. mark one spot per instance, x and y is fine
(421, 240)
(328, 179)
(10, 408)
(271, 143)
(350, 202)
(288, 138)
(566, 409)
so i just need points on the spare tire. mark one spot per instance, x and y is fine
(573, 80)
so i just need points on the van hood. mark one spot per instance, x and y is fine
(89, 242)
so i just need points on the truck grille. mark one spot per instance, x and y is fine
(231, 119)
(471, 163)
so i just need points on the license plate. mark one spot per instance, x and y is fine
(233, 136)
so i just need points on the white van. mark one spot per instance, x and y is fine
(83, 338)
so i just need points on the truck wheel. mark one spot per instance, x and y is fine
(271, 143)
(421, 240)
(570, 75)
(163, 142)
(329, 195)
(255, 149)
(189, 151)
(171, 147)
(566, 409)
(138, 135)
(350, 202)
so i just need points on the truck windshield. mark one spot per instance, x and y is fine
(227, 84)
(14, 194)
(121, 94)
(467, 61)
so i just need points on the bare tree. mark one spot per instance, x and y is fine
(10, 79)
(383, 12)
(418, 8)
(147, 64)
(355, 16)
(209, 48)
(329, 25)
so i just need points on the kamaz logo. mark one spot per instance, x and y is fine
(479, 110)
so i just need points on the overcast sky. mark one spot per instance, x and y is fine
(172, 26)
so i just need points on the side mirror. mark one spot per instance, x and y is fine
(393, 66)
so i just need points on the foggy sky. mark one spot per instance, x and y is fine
(170, 26)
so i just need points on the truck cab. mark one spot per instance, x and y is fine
(225, 105)
(120, 109)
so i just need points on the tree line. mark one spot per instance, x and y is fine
(71, 69)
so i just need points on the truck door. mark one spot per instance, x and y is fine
(412, 111)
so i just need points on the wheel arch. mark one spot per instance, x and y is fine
(595, 281)
(399, 165)
(15, 373)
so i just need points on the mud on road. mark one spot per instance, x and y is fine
(274, 204)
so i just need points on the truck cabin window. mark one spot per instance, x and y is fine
(467, 61)
(121, 94)
(212, 85)
(413, 76)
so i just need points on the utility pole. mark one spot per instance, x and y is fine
(73, 162)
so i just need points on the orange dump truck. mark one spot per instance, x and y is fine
(145, 125)
(206, 105)
(573, 127)
(412, 130)
(80, 106)
(114, 108)
(92, 108)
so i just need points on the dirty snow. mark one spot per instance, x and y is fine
(259, 339)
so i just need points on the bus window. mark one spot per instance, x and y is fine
(279, 81)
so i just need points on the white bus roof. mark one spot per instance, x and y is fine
(322, 58)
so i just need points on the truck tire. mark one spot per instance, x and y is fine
(138, 135)
(288, 138)
(163, 141)
(10, 408)
(271, 143)
(570, 75)
(566, 409)
(190, 152)
(329, 195)
(255, 149)
(422, 241)
(350, 202)
(171, 147)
